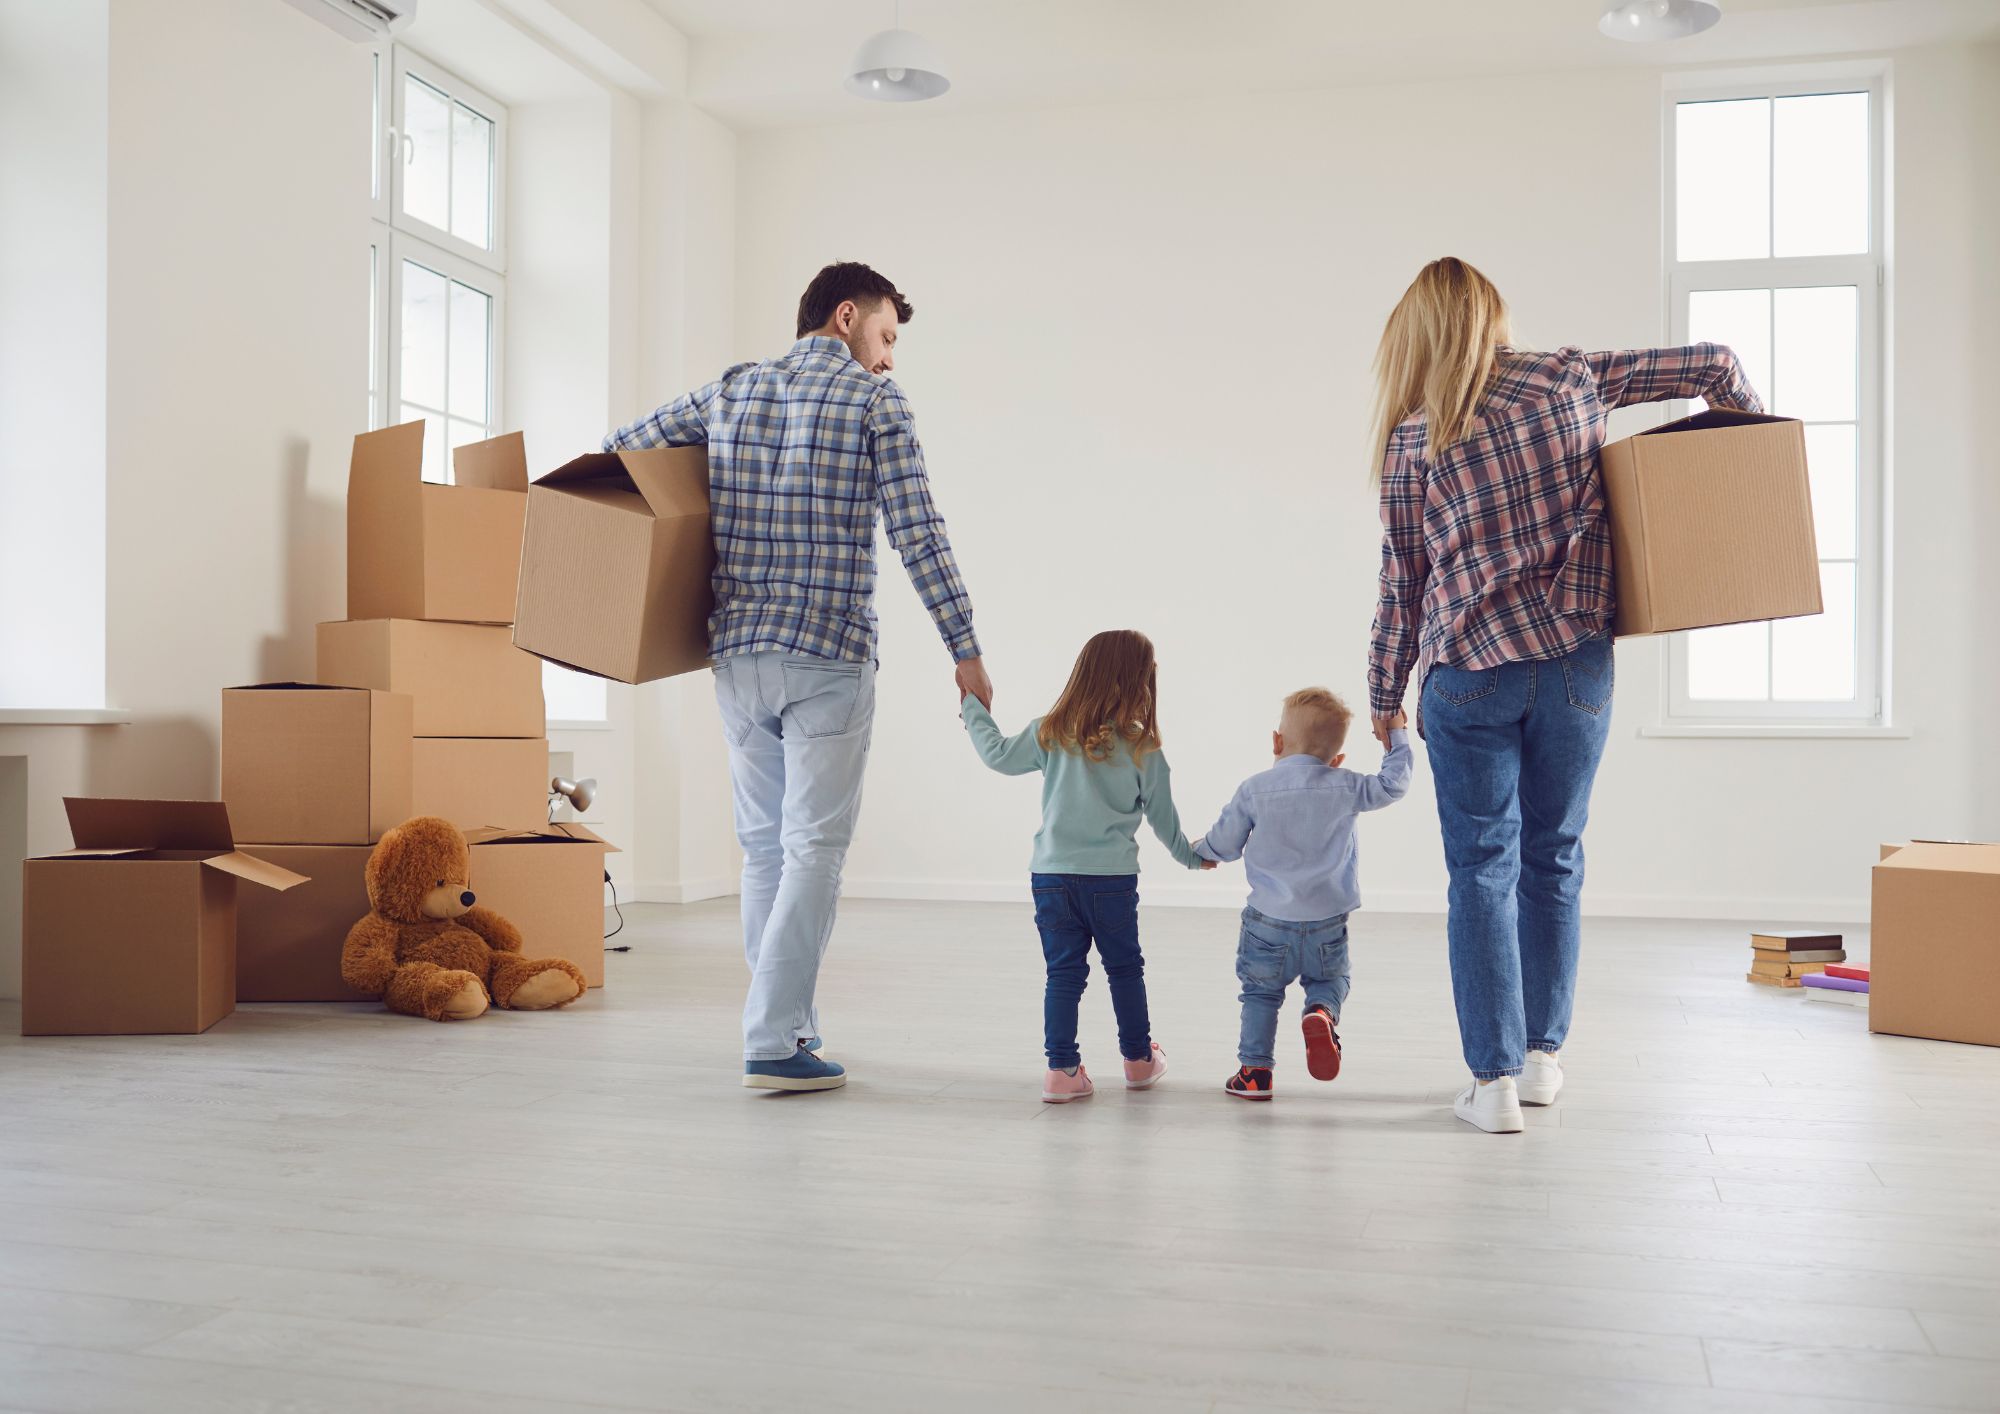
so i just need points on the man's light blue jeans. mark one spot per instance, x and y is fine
(1270, 955)
(798, 731)
(1513, 752)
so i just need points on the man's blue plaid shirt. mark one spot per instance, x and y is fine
(802, 452)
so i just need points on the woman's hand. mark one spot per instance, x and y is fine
(1397, 722)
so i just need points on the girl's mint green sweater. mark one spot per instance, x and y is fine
(1090, 809)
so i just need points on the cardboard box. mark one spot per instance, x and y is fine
(288, 945)
(617, 563)
(550, 883)
(418, 550)
(463, 679)
(133, 932)
(480, 782)
(1711, 523)
(310, 764)
(1934, 946)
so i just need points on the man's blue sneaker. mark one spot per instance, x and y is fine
(804, 1071)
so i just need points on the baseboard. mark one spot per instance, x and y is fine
(1192, 894)
(686, 891)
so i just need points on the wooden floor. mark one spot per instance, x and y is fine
(1743, 1203)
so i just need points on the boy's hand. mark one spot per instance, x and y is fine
(1400, 721)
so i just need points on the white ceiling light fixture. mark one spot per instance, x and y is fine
(896, 66)
(1640, 20)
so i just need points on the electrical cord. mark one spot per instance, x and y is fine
(622, 947)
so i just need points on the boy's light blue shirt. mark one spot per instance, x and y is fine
(1293, 828)
(1090, 809)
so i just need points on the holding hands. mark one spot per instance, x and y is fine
(971, 678)
(1384, 725)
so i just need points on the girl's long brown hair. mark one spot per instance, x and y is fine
(1112, 694)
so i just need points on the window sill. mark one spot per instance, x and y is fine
(64, 717)
(1761, 731)
(565, 725)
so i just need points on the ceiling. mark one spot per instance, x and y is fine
(774, 63)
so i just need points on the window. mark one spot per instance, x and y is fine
(1774, 237)
(437, 279)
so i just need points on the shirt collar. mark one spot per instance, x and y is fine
(823, 344)
(1301, 758)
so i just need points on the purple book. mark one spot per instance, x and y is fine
(1834, 984)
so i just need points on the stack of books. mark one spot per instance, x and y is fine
(1846, 985)
(1786, 959)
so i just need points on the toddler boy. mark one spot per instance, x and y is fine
(1293, 828)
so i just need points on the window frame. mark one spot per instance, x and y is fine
(1867, 273)
(404, 66)
(403, 247)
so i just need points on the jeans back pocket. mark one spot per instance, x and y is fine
(1459, 686)
(820, 698)
(1588, 674)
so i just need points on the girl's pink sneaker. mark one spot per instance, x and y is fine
(1059, 1087)
(1140, 1074)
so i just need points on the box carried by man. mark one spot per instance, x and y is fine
(616, 565)
(1711, 523)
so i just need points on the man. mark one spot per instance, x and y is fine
(803, 451)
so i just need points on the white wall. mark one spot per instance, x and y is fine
(53, 111)
(1140, 369)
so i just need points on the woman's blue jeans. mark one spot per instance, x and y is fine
(1513, 751)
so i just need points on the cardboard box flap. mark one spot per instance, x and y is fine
(93, 853)
(390, 453)
(593, 466)
(1711, 418)
(149, 824)
(674, 480)
(1955, 856)
(497, 464)
(555, 833)
(257, 871)
(292, 687)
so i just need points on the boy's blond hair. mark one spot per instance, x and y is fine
(1315, 722)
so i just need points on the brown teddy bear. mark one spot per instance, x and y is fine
(427, 948)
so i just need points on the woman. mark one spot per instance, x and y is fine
(1497, 589)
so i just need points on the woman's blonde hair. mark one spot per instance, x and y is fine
(1112, 694)
(1438, 354)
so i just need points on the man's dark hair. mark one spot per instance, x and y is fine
(838, 283)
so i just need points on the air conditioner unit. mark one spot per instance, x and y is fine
(360, 20)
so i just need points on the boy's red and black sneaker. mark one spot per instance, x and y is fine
(1251, 1082)
(1322, 1043)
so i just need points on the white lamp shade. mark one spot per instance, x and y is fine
(1657, 19)
(896, 66)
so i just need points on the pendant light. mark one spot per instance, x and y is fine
(1641, 20)
(896, 66)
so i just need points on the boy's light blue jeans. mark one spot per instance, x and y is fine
(798, 731)
(1270, 955)
(1513, 752)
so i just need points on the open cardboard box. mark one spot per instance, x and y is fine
(616, 565)
(1934, 942)
(308, 763)
(420, 550)
(133, 931)
(463, 679)
(548, 881)
(482, 782)
(1711, 523)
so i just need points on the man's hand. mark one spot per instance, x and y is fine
(1400, 721)
(1207, 863)
(971, 678)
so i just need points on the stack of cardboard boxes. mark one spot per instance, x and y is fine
(423, 706)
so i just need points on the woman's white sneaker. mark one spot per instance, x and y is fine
(1494, 1107)
(1542, 1079)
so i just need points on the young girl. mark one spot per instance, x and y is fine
(1098, 750)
